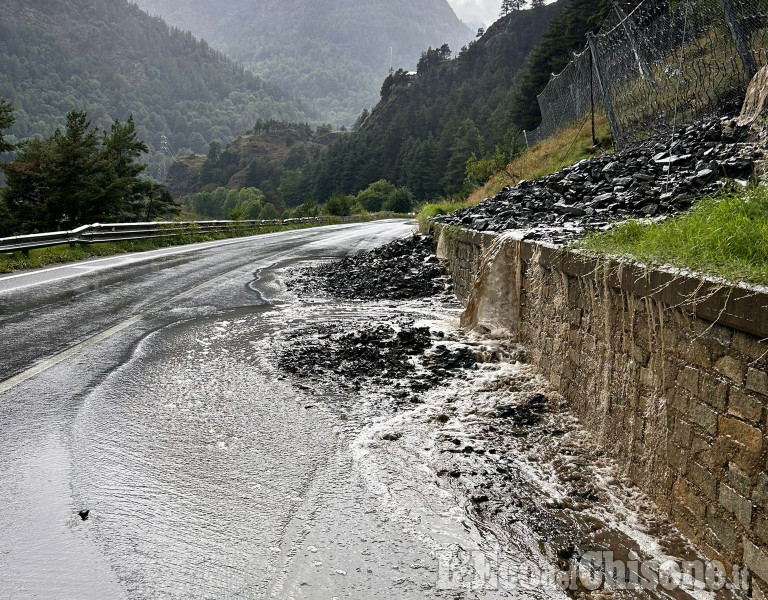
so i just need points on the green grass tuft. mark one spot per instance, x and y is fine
(725, 235)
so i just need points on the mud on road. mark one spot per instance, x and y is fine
(452, 413)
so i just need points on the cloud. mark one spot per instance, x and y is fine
(477, 11)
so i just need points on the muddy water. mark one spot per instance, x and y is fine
(210, 473)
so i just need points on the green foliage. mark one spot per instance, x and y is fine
(339, 205)
(726, 236)
(6, 121)
(376, 195)
(480, 170)
(78, 176)
(308, 209)
(222, 203)
(566, 35)
(333, 53)
(384, 196)
(427, 126)
(268, 212)
(400, 201)
(112, 60)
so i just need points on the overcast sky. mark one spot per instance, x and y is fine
(477, 11)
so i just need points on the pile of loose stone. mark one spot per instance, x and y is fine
(376, 354)
(401, 270)
(654, 177)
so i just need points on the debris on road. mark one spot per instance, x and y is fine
(401, 270)
(376, 355)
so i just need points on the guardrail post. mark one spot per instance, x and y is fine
(740, 38)
(604, 91)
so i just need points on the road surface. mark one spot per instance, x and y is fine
(123, 393)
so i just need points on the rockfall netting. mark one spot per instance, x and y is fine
(659, 65)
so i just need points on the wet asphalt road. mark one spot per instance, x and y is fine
(145, 389)
(124, 393)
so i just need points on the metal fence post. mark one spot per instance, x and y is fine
(604, 91)
(740, 38)
(629, 29)
(525, 135)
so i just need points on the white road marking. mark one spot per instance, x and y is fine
(14, 381)
(11, 383)
(151, 254)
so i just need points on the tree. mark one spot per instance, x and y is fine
(6, 120)
(79, 176)
(339, 205)
(375, 195)
(400, 201)
(268, 213)
(308, 209)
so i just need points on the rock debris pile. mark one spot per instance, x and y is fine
(402, 355)
(649, 178)
(401, 270)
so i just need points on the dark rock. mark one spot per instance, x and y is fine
(401, 270)
(646, 178)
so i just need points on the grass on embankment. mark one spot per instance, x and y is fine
(725, 236)
(63, 254)
(566, 147)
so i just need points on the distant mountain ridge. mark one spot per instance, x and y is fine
(111, 59)
(333, 54)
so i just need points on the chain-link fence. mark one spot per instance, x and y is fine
(660, 64)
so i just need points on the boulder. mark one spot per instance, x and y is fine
(754, 107)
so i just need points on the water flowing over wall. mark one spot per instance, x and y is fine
(670, 373)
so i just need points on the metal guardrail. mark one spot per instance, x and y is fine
(114, 232)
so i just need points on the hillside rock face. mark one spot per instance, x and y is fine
(332, 53)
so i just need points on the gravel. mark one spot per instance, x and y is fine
(401, 270)
(376, 354)
(647, 179)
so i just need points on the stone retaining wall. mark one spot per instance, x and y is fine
(669, 372)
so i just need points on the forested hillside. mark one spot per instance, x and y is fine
(566, 35)
(425, 128)
(112, 60)
(331, 53)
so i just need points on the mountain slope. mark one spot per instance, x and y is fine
(111, 59)
(427, 126)
(331, 53)
(421, 133)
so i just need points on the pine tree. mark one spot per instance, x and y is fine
(77, 177)
(6, 120)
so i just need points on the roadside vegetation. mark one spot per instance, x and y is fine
(725, 236)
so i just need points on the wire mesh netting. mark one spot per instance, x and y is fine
(658, 65)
